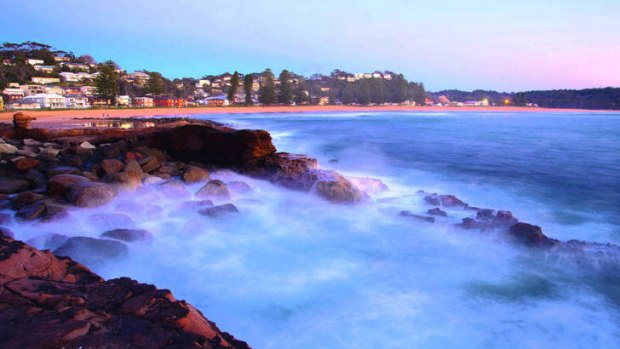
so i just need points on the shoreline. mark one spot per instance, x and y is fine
(64, 114)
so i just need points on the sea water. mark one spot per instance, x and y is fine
(294, 271)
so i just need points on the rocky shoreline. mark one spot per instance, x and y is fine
(46, 172)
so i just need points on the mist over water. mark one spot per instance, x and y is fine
(293, 271)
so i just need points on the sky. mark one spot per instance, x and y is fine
(505, 45)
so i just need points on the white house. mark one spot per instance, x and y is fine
(44, 68)
(88, 90)
(76, 66)
(43, 80)
(46, 100)
(76, 102)
(145, 102)
(68, 76)
(57, 90)
(123, 100)
(33, 61)
(20, 104)
(32, 89)
(81, 76)
(14, 93)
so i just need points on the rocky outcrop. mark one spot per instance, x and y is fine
(53, 302)
(530, 235)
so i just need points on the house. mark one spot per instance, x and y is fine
(46, 100)
(69, 76)
(143, 102)
(32, 89)
(81, 76)
(216, 101)
(44, 80)
(59, 59)
(33, 61)
(169, 102)
(323, 100)
(88, 90)
(1, 103)
(45, 68)
(376, 75)
(57, 90)
(76, 66)
(139, 78)
(387, 76)
(22, 105)
(202, 82)
(13, 93)
(76, 102)
(123, 100)
(72, 91)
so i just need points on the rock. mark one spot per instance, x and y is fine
(444, 201)
(369, 185)
(26, 198)
(57, 170)
(35, 176)
(220, 210)
(173, 188)
(29, 141)
(128, 235)
(62, 184)
(12, 186)
(195, 204)
(5, 233)
(335, 188)
(6, 148)
(112, 166)
(26, 163)
(530, 235)
(59, 303)
(214, 188)
(292, 171)
(150, 180)
(409, 214)
(31, 212)
(134, 172)
(92, 251)
(5, 218)
(437, 212)
(49, 151)
(195, 174)
(80, 191)
(149, 164)
(90, 175)
(110, 221)
(54, 213)
(49, 241)
(87, 145)
(239, 187)
(22, 121)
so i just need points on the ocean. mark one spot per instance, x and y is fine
(294, 271)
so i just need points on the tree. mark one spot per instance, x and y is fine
(348, 95)
(285, 94)
(155, 84)
(267, 91)
(248, 82)
(107, 86)
(234, 83)
(398, 90)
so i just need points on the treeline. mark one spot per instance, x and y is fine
(594, 98)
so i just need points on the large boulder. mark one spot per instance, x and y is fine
(128, 235)
(195, 174)
(220, 210)
(12, 185)
(80, 191)
(111, 166)
(335, 188)
(214, 188)
(26, 163)
(92, 251)
(54, 302)
(530, 235)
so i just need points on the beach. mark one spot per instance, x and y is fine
(52, 116)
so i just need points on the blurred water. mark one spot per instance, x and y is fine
(293, 271)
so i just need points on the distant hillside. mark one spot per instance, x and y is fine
(594, 98)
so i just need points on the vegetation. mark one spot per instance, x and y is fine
(248, 82)
(107, 86)
(285, 93)
(267, 90)
(234, 84)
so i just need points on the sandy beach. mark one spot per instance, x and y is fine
(53, 116)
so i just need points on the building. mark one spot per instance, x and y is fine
(202, 82)
(13, 93)
(44, 80)
(32, 89)
(44, 68)
(57, 90)
(123, 101)
(59, 59)
(46, 100)
(69, 76)
(76, 66)
(169, 102)
(143, 102)
(216, 101)
(88, 90)
(33, 61)
(1, 103)
(81, 76)
(76, 102)
(20, 104)
(323, 100)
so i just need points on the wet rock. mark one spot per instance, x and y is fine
(409, 214)
(128, 235)
(90, 175)
(150, 180)
(444, 201)
(87, 145)
(6, 148)
(62, 184)
(35, 176)
(5, 233)
(5, 218)
(26, 163)
(12, 186)
(530, 235)
(31, 212)
(220, 210)
(239, 187)
(54, 213)
(92, 251)
(49, 151)
(149, 164)
(195, 204)
(48, 241)
(173, 188)
(195, 174)
(109, 221)
(369, 185)
(335, 188)
(291, 171)
(133, 173)
(111, 166)
(26, 198)
(437, 212)
(80, 191)
(214, 188)
(57, 170)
